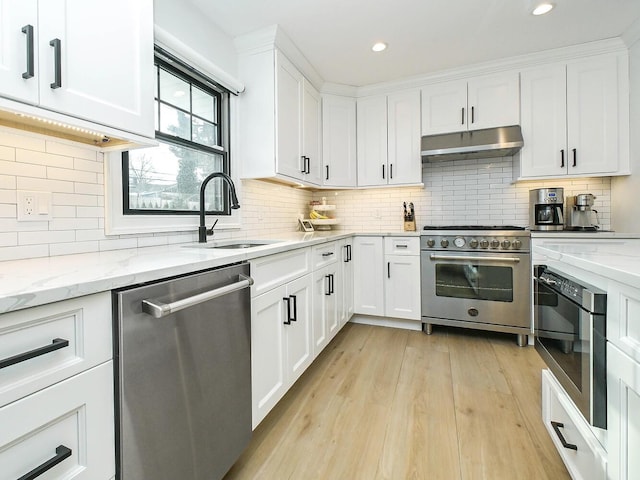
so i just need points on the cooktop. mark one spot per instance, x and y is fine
(472, 227)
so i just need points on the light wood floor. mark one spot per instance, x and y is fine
(382, 403)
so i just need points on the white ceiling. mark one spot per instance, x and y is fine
(424, 36)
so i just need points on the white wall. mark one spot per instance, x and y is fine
(469, 192)
(189, 25)
(624, 190)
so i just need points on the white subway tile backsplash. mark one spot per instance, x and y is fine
(75, 199)
(47, 236)
(8, 239)
(73, 247)
(88, 165)
(23, 169)
(71, 175)
(42, 158)
(71, 150)
(24, 251)
(7, 153)
(8, 210)
(15, 139)
(44, 185)
(8, 182)
(74, 223)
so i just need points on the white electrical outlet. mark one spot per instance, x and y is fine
(34, 206)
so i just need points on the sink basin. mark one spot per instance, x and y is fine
(234, 244)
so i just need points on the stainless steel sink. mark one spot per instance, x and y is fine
(234, 244)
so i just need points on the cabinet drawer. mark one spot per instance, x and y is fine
(43, 345)
(324, 254)
(275, 270)
(623, 319)
(76, 414)
(588, 460)
(402, 245)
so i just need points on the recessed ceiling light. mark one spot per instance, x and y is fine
(378, 47)
(543, 8)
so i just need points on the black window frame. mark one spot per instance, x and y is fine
(168, 62)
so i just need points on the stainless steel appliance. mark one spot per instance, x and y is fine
(579, 213)
(183, 375)
(476, 277)
(570, 324)
(484, 143)
(546, 209)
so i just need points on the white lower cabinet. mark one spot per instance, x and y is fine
(281, 347)
(623, 415)
(325, 306)
(387, 276)
(63, 431)
(579, 448)
(346, 311)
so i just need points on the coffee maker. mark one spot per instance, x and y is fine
(546, 209)
(579, 212)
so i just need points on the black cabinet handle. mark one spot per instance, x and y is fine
(388, 269)
(383, 172)
(575, 157)
(56, 344)
(562, 158)
(556, 427)
(391, 171)
(348, 253)
(327, 254)
(307, 168)
(295, 308)
(57, 51)
(327, 167)
(62, 453)
(331, 290)
(462, 115)
(288, 320)
(304, 164)
(28, 31)
(473, 116)
(327, 290)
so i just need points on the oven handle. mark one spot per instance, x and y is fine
(475, 259)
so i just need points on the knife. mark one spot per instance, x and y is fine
(404, 205)
(412, 214)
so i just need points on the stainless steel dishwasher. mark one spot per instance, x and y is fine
(183, 375)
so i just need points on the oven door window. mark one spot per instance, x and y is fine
(474, 281)
(558, 327)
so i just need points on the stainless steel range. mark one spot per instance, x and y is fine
(476, 277)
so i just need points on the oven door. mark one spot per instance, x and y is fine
(571, 341)
(479, 288)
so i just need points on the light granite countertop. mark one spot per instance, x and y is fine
(37, 281)
(613, 259)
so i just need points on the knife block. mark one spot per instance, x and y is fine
(409, 225)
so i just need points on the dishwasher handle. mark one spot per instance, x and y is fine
(159, 309)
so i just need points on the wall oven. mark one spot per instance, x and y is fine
(476, 277)
(570, 328)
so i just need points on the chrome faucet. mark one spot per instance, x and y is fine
(203, 231)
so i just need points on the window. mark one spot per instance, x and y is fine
(191, 122)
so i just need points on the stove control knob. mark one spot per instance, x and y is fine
(459, 242)
(484, 243)
(473, 243)
(495, 243)
(506, 244)
(517, 244)
(444, 243)
(431, 242)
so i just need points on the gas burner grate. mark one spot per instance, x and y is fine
(472, 227)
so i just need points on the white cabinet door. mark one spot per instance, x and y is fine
(311, 133)
(298, 333)
(493, 101)
(544, 122)
(623, 415)
(372, 141)
(288, 110)
(268, 362)
(320, 291)
(339, 141)
(333, 301)
(592, 116)
(19, 44)
(106, 61)
(368, 257)
(402, 287)
(346, 281)
(444, 108)
(403, 130)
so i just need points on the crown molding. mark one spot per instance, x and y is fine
(632, 34)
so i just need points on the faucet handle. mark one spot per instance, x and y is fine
(210, 230)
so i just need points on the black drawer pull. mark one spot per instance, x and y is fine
(556, 427)
(62, 453)
(288, 320)
(295, 308)
(327, 254)
(57, 344)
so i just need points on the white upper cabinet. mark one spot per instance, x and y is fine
(280, 120)
(78, 58)
(388, 139)
(574, 120)
(339, 141)
(479, 102)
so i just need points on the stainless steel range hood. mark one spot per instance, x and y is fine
(487, 143)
